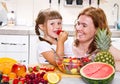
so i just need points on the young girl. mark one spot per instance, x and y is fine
(49, 22)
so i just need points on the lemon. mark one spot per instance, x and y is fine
(53, 78)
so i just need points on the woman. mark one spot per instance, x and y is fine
(88, 21)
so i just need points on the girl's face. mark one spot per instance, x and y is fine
(53, 26)
(85, 29)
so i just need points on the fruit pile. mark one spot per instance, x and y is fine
(39, 68)
(20, 74)
(32, 78)
(71, 65)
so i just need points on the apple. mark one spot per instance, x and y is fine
(19, 69)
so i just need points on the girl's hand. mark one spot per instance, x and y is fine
(63, 36)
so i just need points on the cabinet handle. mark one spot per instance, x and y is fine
(12, 43)
(21, 61)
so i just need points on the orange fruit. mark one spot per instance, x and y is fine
(12, 75)
(1, 67)
(6, 70)
(45, 76)
(6, 64)
(23, 74)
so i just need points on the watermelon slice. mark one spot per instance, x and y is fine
(97, 73)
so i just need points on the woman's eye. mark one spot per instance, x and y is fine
(84, 25)
(78, 23)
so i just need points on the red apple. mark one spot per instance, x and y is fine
(19, 69)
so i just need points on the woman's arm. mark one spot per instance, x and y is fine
(116, 54)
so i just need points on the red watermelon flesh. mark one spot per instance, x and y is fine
(97, 70)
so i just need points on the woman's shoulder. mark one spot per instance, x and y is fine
(70, 40)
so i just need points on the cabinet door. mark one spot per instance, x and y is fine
(14, 46)
(33, 49)
(116, 42)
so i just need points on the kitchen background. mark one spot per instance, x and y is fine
(19, 41)
(26, 10)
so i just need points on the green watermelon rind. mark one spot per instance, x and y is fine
(106, 80)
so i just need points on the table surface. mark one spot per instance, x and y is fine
(78, 80)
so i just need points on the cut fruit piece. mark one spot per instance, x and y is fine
(53, 78)
(97, 73)
(6, 62)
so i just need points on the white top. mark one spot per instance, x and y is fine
(44, 46)
(3, 15)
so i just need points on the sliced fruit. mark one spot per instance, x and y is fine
(19, 69)
(97, 73)
(12, 75)
(6, 70)
(53, 78)
(74, 70)
(6, 62)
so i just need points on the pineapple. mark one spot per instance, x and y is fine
(103, 42)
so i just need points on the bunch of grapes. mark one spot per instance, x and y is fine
(35, 78)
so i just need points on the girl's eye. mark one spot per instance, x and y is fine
(59, 23)
(51, 23)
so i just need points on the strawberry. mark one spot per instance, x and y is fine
(21, 81)
(15, 81)
(36, 68)
(5, 78)
(58, 32)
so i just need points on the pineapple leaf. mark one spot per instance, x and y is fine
(103, 39)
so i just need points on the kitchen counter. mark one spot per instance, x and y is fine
(29, 30)
(75, 80)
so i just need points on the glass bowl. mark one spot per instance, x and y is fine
(71, 65)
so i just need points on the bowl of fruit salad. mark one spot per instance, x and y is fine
(71, 65)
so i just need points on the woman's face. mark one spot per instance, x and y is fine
(53, 26)
(85, 29)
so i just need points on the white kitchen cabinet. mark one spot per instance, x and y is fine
(15, 46)
(116, 42)
(33, 49)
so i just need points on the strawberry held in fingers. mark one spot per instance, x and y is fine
(58, 32)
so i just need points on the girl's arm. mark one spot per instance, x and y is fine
(49, 56)
(60, 44)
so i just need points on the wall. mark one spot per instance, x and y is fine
(27, 10)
